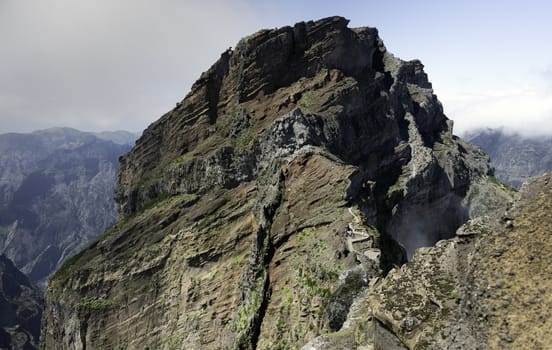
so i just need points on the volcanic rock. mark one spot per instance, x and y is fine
(256, 212)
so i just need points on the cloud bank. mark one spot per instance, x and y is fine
(105, 64)
(525, 110)
(120, 64)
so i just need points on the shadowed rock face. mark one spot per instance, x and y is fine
(21, 306)
(56, 194)
(256, 211)
(488, 288)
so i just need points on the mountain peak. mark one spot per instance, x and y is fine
(267, 75)
(304, 164)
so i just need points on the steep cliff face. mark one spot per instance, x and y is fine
(256, 211)
(56, 194)
(21, 305)
(488, 288)
(515, 157)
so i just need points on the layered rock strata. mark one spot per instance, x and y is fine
(257, 211)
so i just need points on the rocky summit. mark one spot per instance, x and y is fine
(302, 167)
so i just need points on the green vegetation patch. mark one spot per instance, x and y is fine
(245, 140)
(174, 342)
(95, 304)
(316, 275)
(453, 295)
(67, 265)
(202, 149)
(501, 185)
(310, 101)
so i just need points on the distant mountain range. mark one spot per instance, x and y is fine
(56, 194)
(515, 157)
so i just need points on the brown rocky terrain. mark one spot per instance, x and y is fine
(488, 288)
(256, 213)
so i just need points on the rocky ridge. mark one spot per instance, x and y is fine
(487, 288)
(256, 212)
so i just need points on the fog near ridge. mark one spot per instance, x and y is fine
(527, 112)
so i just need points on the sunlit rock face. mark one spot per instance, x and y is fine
(258, 211)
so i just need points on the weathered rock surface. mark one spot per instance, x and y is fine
(258, 210)
(56, 194)
(487, 288)
(21, 309)
(515, 157)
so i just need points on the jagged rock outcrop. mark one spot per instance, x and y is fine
(515, 157)
(259, 209)
(21, 309)
(56, 194)
(487, 288)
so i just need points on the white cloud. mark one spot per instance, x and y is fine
(108, 64)
(527, 111)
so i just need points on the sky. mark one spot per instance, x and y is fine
(120, 64)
